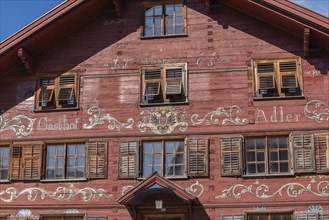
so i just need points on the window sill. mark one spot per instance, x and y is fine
(168, 178)
(56, 110)
(163, 36)
(163, 104)
(64, 180)
(268, 175)
(278, 98)
(5, 181)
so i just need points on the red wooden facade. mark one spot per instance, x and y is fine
(91, 104)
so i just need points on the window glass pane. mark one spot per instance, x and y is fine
(261, 168)
(251, 168)
(158, 10)
(147, 170)
(169, 159)
(251, 156)
(59, 173)
(260, 143)
(157, 169)
(147, 159)
(271, 141)
(249, 143)
(169, 171)
(179, 30)
(149, 12)
(284, 167)
(51, 162)
(50, 173)
(170, 30)
(169, 9)
(147, 148)
(275, 217)
(5, 151)
(70, 162)
(260, 156)
(148, 21)
(274, 167)
(157, 147)
(179, 170)
(157, 21)
(4, 174)
(170, 146)
(81, 161)
(4, 164)
(80, 172)
(170, 21)
(81, 149)
(286, 217)
(283, 154)
(263, 217)
(179, 8)
(60, 150)
(253, 217)
(148, 31)
(283, 142)
(70, 172)
(51, 150)
(71, 150)
(179, 20)
(274, 156)
(157, 159)
(157, 31)
(179, 158)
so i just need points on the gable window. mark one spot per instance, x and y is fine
(270, 216)
(275, 155)
(164, 19)
(57, 92)
(4, 163)
(277, 78)
(164, 84)
(171, 158)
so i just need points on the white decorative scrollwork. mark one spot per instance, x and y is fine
(71, 211)
(315, 208)
(126, 189)
(220, 111)
(17, 125)
(24, 213)
(163, 120)
(292, 190)
(61, 194)
(96, 119)
(319, 112)
(194, 188)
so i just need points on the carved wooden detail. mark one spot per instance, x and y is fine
(117, 5)
(306, 42)
(27, 59)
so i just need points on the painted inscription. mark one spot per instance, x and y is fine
(62, 124)
(220, 111)
(149, 61)
(163, 120)
(276, 116)
(118, 63)
(211, 60)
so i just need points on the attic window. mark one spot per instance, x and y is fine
(164, 19)
(164, 84)
(277, 78)
(57, 92)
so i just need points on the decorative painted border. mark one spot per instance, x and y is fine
(319, 113)
(292, 190)
(21, 125)
(61, 194)
(96, 119)
(218, 112)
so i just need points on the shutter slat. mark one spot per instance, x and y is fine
(128, 159)
(174, 87)
(306, 216)
(303, 145)
(16, 163)
(97, 160)
(322, 153)
(198, 157)
(32, 162)
(231, 156)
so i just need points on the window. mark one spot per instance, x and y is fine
(277, 78)
(275, 155)
(53, 161)
(312, 215)
(57, 92)
(4, 162)
(270, 216)
(170, 158)
(164, 84)
(164, 19)
(63, 217)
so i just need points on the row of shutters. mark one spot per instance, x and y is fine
(310, 153)
(297, 216)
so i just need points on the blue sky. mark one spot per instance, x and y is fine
(16, 14)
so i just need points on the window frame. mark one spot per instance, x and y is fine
(162, 98)
(54, 102)
(163, 154)
(163, 19)
(4, 145)
(269, 213)
(267, 152)
(277, 75)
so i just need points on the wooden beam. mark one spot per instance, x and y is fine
(208, 5)
(27, 59)
(117, 5)
(306, 42)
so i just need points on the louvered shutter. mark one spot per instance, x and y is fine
(174, 81)
(265, 79)
(321, 142)
(128, 159)
(289, 71)
(32, 162)
(97, 160)
(306, 216)
(67, 87)
(233, 217)
(231, 156)
(324, 216)
(151, 85)
(16, 162)
(303, 145)
(46, 91)
(198, 157)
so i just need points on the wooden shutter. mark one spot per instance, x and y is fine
(306, 216)
(265, 79)
(16, 162)
(46, 90)
(231, 156)
(198, 157)
(321, 142)
(67, 87)
(152, 82)
(303, 145)
(128, 159)
(96, 160)
(233, 217)
(174, 81)
(32, 162)
(290, 79)
(324, 216)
